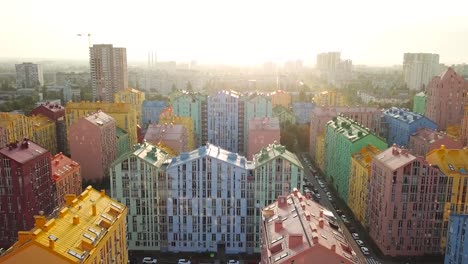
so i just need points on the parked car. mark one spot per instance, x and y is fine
(315, 189)
(360, 243)
(233, 261)
(317, 195)
(355, 236)
(149, 260)
(184, 261)
(365, 251)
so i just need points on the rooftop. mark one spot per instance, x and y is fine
(333, 111)
(395, 157)
(100, 118)
(160, 132)
(273, 151)
(39, 121)
(365, 156)
(53, 107)
(450, 161)
(294, 224)
(348, 128)
(429, 135)
(402, 114)
(147, 152)
(7, 118)
(23, 151)
(61, 165)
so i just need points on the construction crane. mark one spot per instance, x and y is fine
(84, 35)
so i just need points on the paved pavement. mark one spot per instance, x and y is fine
(136, 257)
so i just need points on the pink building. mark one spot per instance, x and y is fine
(406, 204)
(300, 231)
(93, 144)
(262, 132)
(446, 97)
(52, 111)
(66, 174)
(170, 136)
(367, 116)
(426, 140)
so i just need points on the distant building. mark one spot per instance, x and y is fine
(402, 123)
(66, 173)
(419, 68)
(93, 144)
(329, 98)
(89, 229)
(425, 140)
(172, 138)
(151, 111)
(406, 204)
(108, 66)
(343, 138)
(419, 103)
(336, 71)
(457, 246)
(262, 132)
(298, 230)
(29, 75)
(280, 97)
(27, 189)
(75, 78)
(446, 98)
(302, 111)
(194, 105)
(133, 97)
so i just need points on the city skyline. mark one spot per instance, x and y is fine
(240, 32)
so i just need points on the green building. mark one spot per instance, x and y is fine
(343, 138)
(123, 142)
(284, 114)
(419, 104)
(255, 105)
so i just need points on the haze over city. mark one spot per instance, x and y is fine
(237, 32)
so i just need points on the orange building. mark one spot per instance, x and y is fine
(91, 228)
(280, 97)
(67, 176)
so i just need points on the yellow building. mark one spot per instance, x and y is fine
(280, 97)
(329, 98)
(453, 131)
(359, 181)
(91, 228)
(454, 164)
(167, 117)
(123, 113)
(320, 151)
(44, 132)
(14, 127)
(133, 97)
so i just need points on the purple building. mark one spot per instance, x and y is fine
(406, 201)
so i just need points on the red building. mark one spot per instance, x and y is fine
(26, 188)
(66, 174)
(55, 112)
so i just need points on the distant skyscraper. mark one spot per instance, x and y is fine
(29, 75)
(419, 68)
(108, 71)
(337, 71)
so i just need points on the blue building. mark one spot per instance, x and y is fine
(456, 250)
(402, 123)
(302, 111)
(151, 111)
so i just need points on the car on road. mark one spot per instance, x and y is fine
(317, 195)
(360, 242)
(325, 189)
(316, 176)
(355, 236)
(184, 261)
(309, 185)
(149, 260)
(365, 251)
(233, 261)
(315, 189)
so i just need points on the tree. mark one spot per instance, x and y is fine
(189, 87)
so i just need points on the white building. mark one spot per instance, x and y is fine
(419, 68)
(29, 75)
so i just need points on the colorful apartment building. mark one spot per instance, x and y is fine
(66, 173)
(93, 144)
(446, 98)
(453, 163)
(343, 138)
(14, 127)
(280, 97)
(123, 141)
(262, 132)
(44, 132)
(138, 180)
(285, 115)
(55, 112)
(300, 231)
(277, 172)
(369, 117)
(359, 182)
(133, 97)
(256, 105)
(425, 140)
(406, 204)
(192, 104)
(402, 124)
(89, 229)
(329, 98)
(168, 118)
(320, 151)
(419, 103)
(172, 138)
(457, 246)
(151, 111)
(27, 188)
(302, 111)
(123, 113)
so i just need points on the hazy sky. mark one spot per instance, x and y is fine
(237, 32)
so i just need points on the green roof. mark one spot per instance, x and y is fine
(273, 151)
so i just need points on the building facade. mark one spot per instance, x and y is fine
(172, 138)
(55, 112)
(329, 98)
(285, 115)
(343, 138)
(66, 174)
(262, 132)
(302, 111)
(123, 141)
(406, 200)
(425, 140)
(419, 68)
(194, 105)
(89, 229)
(256, 105)
(27, 188)
(133, 97)
(168, 118)
(151, 111)
(108, 66)
(280, 97)
(44, 132)
(93, 144)
(14, 127)
(403, 123)
(29, 75)
(457, 247)
(419, 103)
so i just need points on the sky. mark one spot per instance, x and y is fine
(241, 32)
